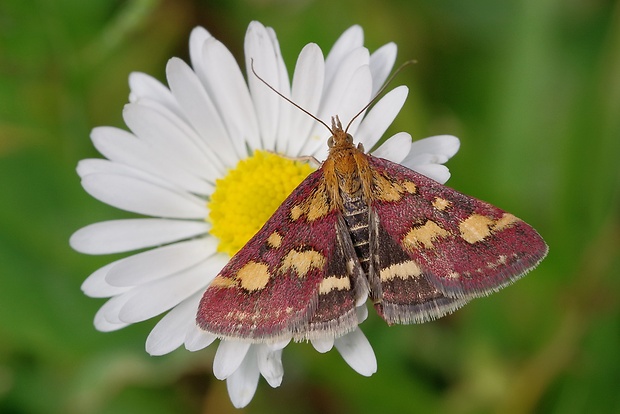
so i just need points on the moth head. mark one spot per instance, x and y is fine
(340, 139)
(339, 136)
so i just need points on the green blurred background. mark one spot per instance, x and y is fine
(531, 87)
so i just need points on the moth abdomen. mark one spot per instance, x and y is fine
(355, 212)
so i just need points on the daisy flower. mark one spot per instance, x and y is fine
(201, 162)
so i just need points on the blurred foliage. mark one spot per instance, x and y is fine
(531, 87)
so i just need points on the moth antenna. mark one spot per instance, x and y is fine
(385, 85)
(287, 99)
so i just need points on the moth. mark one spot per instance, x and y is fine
(363, 227)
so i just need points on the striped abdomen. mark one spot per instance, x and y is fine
(355, 211)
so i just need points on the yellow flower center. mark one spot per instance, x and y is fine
(249, 194)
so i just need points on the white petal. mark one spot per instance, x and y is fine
(145, 87)
(351, 39)
(125, 148)
(279, 345)
(142, 197)
(362, 313)
(425, 159)
(361, 300)
(426, 155)
(380, 117)
(243, 382)
(230, 92)
(307, 90)
(196, 42)
(101, 166)
(323, 345)
(201, 112)
(284, 119)
(197, 339)
(170, 331)
(103, 325)
(160, 295)
(260, 53)
(96, 286)
(444, 145)
(164, 261)
(117, 236)
(270, 364)
(395, 148)
(381, 63)
(437, 172)
(106, 319)
(347, 97)
(356, 97)
(172, 137)
(357, 352)
(228, 358)
(335, 89)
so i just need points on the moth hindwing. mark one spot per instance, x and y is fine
(360, 227)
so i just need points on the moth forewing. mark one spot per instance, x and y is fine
(463, 246)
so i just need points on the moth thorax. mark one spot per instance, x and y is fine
(350, 185)
(355, 211)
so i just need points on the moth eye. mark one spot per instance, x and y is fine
(330, 141)
(349, 139)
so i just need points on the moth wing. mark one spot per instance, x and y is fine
(343, 287)
(401, 290)
(456, 247)
(272, 288)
